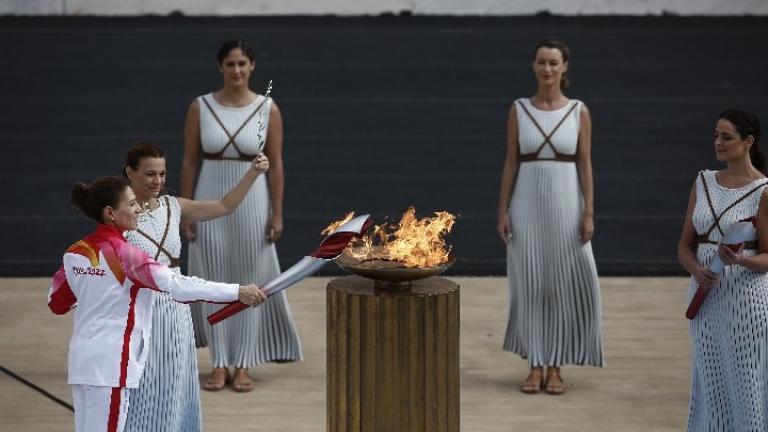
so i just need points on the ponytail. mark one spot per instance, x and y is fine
(92, 198)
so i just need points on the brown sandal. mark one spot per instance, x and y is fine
(556, 389)
(241, 385)
(530, 386)
(213, 384)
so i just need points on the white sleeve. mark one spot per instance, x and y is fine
(146, 272)
(187, 289)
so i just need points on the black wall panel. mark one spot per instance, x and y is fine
(380, 113)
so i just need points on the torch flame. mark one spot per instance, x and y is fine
(411, 242)
(333, 226)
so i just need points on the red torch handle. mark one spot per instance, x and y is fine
(330, 248)
(696, 302)
(226, 312)
(701, 292)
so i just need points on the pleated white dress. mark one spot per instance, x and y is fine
(729, 335)
(234, 248)
(168, 397)
(554, 309)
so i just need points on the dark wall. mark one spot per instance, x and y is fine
(380, 113)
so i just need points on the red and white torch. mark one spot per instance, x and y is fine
(330, 248)
(739, 233)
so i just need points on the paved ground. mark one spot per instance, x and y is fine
(643, 388)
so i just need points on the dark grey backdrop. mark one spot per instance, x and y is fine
(380, 113)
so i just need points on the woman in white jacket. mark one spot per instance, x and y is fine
(108, 281)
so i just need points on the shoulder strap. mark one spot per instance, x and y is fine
(218, 120)
(743, 197)
(733, 204)
(548, 137)
(224, 128)
(711, 207)
(160, 244)
(263, 101)
(560, 123)
(167, 226)
(533, 120)
(160, 248)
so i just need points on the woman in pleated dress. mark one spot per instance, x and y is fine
(545, 218)
(729, 362)
(224, 130)
(168, 398)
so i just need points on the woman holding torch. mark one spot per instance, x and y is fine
(224, 131)
(170, 402)
(108, 283)
(729, 385)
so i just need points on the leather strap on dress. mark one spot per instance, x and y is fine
(704, 238)
(559, 157)
(711, 207)
(175, 262)
(748, 245)
(220, 154)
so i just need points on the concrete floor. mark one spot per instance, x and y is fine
(643, 388)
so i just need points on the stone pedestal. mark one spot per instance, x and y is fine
(393, 356)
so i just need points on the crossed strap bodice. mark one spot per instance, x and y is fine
(231, 136)
(175, 261)
(705, 238)
(535, 156)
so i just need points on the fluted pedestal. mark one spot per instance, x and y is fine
(393, 356)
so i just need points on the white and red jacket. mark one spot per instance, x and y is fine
(107, 281)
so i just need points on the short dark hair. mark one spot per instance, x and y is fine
(140, 150)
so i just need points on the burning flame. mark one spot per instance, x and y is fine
(335, 225)
(411, 242)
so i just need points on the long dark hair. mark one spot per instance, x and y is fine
(746, 124)
(231, 44)
(92, 198)
(558, 44)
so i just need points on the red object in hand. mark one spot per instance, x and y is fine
(701, 292)
(331, 247)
